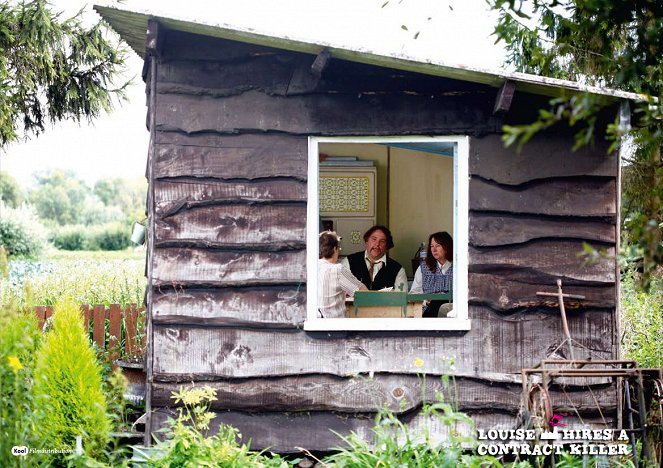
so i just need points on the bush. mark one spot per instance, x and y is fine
(188, 445)
(71, 237)
(114, 236)
(21, 233)
(19, 339)
(68, 387)
(642, 322)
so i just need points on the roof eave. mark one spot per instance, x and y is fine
(132, 25)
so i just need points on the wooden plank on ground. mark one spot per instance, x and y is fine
(278, 306)
(182, 266)
(552, 197)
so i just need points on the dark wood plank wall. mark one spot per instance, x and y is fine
(229, 281)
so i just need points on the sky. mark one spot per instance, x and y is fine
(115, 145)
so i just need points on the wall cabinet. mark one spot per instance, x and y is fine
(347, 203)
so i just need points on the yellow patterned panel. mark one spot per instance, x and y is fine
(344, 194)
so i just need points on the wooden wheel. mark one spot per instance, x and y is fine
(539, 407)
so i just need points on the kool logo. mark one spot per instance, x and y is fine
(19, 450)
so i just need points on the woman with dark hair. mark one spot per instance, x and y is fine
(436, 274)
(334, 281)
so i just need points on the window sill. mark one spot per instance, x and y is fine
(387, 324)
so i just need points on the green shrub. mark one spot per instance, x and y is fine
(68, 388)
(71, 237)
(642, 322)
(19, 339)
(21, 233)
(188, 445)
(113, 236)
(394, 444)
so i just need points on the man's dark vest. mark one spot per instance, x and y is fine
(385, 278)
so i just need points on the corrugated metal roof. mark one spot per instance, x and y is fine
(131, 23)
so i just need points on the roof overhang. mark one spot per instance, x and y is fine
(131, 24)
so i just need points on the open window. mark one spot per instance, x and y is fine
(415, 185)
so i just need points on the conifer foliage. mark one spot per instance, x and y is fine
(68, 387)
(53, 69)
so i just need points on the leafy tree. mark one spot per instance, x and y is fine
(127, 194)
(602, 43)
(60, 197)
(52, 69)
(10, 190)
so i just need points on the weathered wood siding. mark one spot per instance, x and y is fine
(229, 164)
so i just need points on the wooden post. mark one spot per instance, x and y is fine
(130, 320)
(114, 329)
(40, 312)
(565, 323)
(98, 323)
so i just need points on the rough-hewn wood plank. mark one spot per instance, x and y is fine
(183, 45)
(319, 431)
(554, 197)
(173, 195)
(246, 156)
(240, 226)
(182, 266)
(502, 294)
(494, 345)
(558, 258)
(271, 69)
(399, 393)
(543, 156)
(326, 114)
(276, 306)
(269, 74)
(488, 229)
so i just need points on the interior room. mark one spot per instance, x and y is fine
(406, 186)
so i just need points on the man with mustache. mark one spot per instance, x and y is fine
(373, 267)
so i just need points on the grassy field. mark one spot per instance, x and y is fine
(87, 277)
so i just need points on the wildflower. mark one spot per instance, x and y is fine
(15, 364)
(418, 362)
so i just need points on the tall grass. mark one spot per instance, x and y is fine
(85, 278)
(641, 322)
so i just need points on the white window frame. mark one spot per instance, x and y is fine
(460, 236)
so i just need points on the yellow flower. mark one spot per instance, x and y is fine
(15, 364)
(418, 362)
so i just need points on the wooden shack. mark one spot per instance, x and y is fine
(238, 120)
